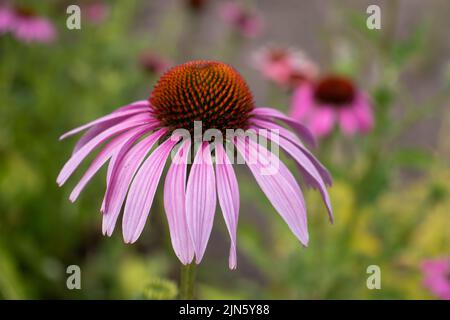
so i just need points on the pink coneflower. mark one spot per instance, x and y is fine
(248, 22)
(437, 277)
(284, 66)
(153, 63)
(26, 25)
(95, 11)
(332, 99)
(215, 94)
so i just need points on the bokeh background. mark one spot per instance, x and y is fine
(391, 186)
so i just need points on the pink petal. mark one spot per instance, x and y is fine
(307, 167)
(304, 132)
(112, 147)
(96, 129)
(321, 121)
(280, 188)
(34, 29)
(141, 106)
(6, 20)
(142, 192)
(348, 121)
(201, 200)
(125, 167)
(326, 176)
(175, 205)
(79, 156)
(302, 102)
(364, 114)
(228, 192)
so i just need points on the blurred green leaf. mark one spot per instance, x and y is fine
(11, 285)
(160, 289)
(412, 158)
(403, 50)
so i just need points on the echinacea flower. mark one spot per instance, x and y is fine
(284, 66)
(215, 94)
(95, 11)
(437, 277)
(153, 63)
(247, 22)
(332, 99)
(26, 25)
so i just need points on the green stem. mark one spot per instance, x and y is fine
(187, 281)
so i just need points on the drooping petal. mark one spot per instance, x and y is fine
(138, 107)
(302, 102)
(321, 121)
(102, 126)
(303, 131)
(93, 132)
(79, 156)
(142, 191)
(326, 176)
(348, 121)
(124, 167)
(175, 205)
(364, 113)
(201, 200)
(105, 154)
(280, 187)
(228, 194)
(307, 168)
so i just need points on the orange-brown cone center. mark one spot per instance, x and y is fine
(207, 91)
(24, 12)
(334, 90)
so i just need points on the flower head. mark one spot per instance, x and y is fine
(207, 91)
(247, 22)
(332, 99)
(284, 66)
(26, 25)
(437, 277)
(138, 139)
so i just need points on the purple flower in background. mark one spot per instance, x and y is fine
(196, 5)
(153, 63)
(332, 99)
(6, 20)
(248, 22)
(95, 12)
(137, 140)
(284, 66)
(26, 25)
(437, 277)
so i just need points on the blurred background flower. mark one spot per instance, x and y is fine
(26, 25)
(437, 277)
(152, 63)
(332, 99)
(96, 11)
(244, 20)
(287, 67)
